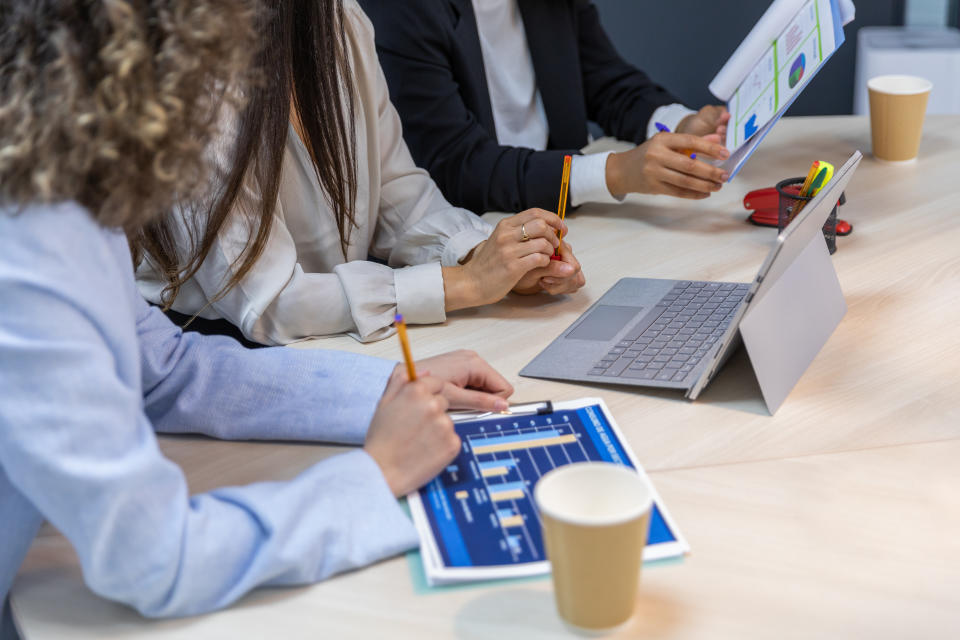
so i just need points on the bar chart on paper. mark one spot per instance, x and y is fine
(794, 53)
(481, 511)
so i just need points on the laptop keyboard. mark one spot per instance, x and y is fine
(670, 340)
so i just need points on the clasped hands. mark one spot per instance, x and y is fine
(516, 257)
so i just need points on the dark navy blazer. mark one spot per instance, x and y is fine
(430, 53)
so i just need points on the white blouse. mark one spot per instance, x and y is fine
(303, 285)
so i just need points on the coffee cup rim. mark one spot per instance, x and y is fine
(597, 521)
(922, 85)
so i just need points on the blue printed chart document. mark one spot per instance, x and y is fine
(782, 53)
(477, 520)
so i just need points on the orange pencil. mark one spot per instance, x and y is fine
(810, 176)
(405, 346)
(562, 206)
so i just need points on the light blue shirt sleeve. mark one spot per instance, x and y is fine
(212, 385)
(88, 372)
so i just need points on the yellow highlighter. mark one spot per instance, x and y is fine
(824, 173)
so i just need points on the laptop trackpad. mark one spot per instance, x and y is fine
(604, 322)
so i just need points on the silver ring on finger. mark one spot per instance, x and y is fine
(523, 233)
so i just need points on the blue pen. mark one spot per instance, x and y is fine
(662, 128)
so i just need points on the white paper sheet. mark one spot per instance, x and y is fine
(770, 25)
(796, 54)
(770, 68)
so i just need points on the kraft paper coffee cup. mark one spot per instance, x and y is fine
(596, 517)
(897, 108)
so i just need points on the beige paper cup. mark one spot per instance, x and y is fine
(897, 107)
(596, 517)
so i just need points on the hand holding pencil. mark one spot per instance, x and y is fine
(411, 438)
(563, 274)
(524, 254)
(514, 258)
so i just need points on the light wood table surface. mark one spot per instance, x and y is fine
(837, 517)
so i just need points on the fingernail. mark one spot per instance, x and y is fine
(501, 405)
(725, 177)
(724, 154)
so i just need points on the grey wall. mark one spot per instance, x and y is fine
(683, 43)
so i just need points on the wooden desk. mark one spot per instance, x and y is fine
(835, 518)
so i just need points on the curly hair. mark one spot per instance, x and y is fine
(111, 103)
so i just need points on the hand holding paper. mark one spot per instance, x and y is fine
(711, 119)
(662, 165)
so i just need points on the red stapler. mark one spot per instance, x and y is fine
(765, 205)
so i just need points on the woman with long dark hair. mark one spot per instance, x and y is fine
(317, 168)
(106, 109)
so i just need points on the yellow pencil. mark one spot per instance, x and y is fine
(810, 176)
(562, 205)
(405, 346)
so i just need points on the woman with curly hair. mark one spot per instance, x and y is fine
(316, 165)
(106, 110)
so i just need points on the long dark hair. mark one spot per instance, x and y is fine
(303, 61)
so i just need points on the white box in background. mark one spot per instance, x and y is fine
(930, 52)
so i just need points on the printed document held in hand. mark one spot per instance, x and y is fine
(783, 51)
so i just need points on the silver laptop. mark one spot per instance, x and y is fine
(676, 334)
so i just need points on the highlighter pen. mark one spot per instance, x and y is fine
(824, 173)
(823, 177)
(662, 128)
(405, 346)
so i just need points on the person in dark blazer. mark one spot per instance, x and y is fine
(493, 93)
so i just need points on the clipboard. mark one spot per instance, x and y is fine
(477, 520)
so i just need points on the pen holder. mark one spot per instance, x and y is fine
(789, 199)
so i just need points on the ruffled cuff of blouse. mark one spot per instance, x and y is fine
(463, 242)
(419, 291)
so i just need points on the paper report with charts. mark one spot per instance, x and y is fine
(477, 520)
(786, 48)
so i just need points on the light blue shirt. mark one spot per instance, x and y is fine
(88, 373)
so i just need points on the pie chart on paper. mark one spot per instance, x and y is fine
(796, 70)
